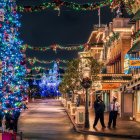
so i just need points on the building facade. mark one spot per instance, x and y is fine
(131, 90)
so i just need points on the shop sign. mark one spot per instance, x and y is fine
(134, 62)
(110, 86)
(115, 78)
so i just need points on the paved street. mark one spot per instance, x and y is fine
(47, 120)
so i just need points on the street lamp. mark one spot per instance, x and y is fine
(86, 84)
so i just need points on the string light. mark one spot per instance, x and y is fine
(56, 5)
(34, 60)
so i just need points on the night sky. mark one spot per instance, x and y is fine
(46, 28)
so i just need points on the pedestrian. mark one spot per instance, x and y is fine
(99, 108)
(114, 108)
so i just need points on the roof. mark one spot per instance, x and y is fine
(96, 39)
(135, 48)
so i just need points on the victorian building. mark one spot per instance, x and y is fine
(131, 90)
(93, 49)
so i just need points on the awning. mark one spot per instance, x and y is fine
(135, 48)
(136, 17)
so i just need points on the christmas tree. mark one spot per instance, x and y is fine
(12, 84)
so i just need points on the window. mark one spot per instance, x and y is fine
(138, 101)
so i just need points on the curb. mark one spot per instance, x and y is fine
(99, 133)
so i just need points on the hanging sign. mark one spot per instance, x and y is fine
(110, 86)
(134, 62)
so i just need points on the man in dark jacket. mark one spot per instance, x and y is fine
(99, 107)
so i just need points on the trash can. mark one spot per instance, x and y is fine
(80, 115)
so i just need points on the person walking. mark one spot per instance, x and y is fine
(114, 108)
(99, 107)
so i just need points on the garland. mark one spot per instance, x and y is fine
(38, 69)
(40, 74)
(112, 39)
(53, 47)
(34, 60)
(57, 4)
(125, 4)
(136, 35)
(57, 46)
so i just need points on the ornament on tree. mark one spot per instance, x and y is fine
(10, 68)
(0, 25)
(2, 15)
(12, 29)
(22, 62)
(28, 70)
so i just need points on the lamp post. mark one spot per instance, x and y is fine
(86, 84)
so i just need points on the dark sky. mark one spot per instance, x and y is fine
(46, 28)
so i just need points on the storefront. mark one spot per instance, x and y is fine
(131, 100)
(110, 87)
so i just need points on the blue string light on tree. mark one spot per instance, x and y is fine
(13, 86)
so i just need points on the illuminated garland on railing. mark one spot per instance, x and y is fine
(34, 60)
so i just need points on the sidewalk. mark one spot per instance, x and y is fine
(124, 129)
